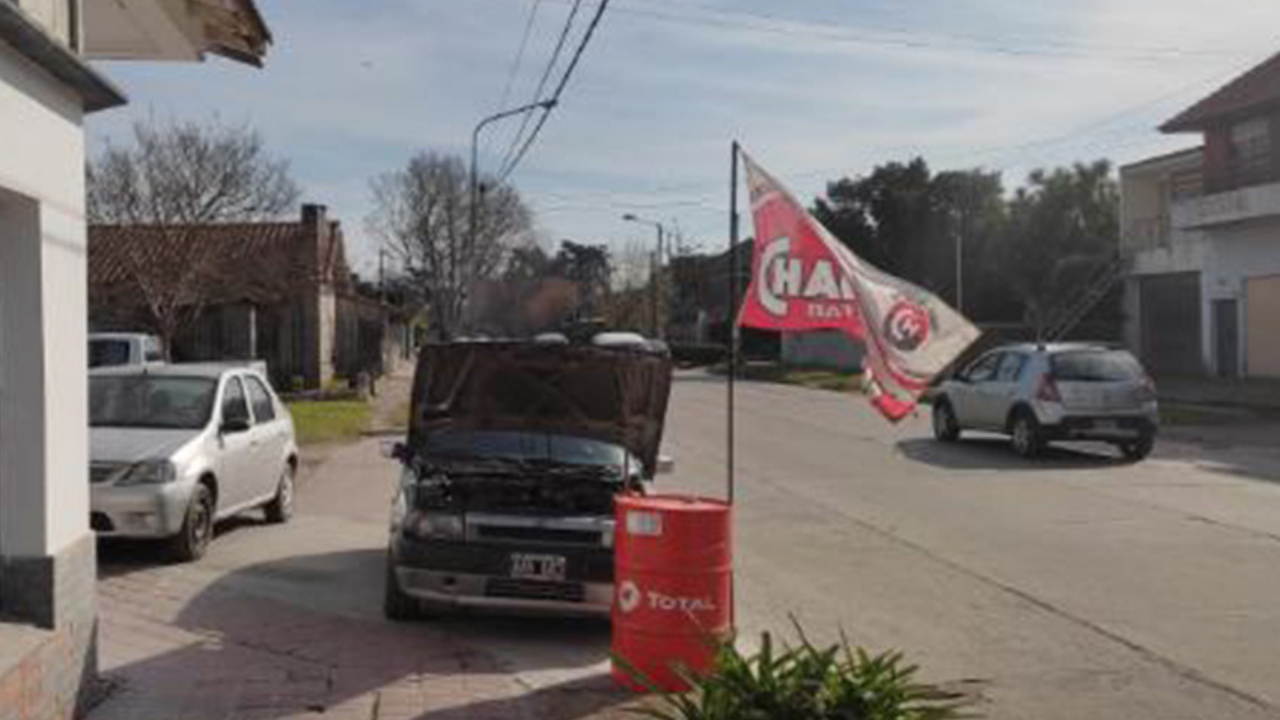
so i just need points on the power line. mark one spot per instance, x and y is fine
(913, 38)
(564, 80)
(515, 62)
(661, 10)
(542, 85)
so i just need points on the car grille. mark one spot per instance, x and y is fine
(539, 534)
(533, 590)
(102, 472)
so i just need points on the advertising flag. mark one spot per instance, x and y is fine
(803, 279)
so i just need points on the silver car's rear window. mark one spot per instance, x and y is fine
(1096, 366)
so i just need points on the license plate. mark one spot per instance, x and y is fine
(526, 566)
(1105, 425)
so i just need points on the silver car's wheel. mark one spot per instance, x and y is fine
(197, 528)
(946, 428)
(280, 509)
(1026, 435)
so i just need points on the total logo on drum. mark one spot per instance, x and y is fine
(631, 597)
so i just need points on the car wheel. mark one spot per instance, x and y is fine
(1025, 432)
(197, 528)
(280, 509)
(946, 428)
(1138, 450)
(396, 604)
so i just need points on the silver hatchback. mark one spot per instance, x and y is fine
(1040, 393)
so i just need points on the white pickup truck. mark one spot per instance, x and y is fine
(123, 349)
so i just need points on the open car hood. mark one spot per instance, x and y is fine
(614, 394)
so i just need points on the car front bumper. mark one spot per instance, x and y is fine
(142, 511)
(478, 575)
(488, 592)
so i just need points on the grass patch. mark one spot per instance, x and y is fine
(817, 378)
(324, 421)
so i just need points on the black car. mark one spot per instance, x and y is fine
(515, 453)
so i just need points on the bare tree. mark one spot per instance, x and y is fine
(628, 303)
(422, 213)
(171, 178)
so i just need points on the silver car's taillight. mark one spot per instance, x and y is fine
(1048, 390)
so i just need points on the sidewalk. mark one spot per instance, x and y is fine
(176, 646)
(1251, 394)
(391, 406)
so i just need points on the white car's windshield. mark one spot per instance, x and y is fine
(150, 402)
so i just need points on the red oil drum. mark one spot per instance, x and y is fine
(673, 586)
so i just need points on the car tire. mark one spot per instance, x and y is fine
(946, 427)
(280, 509)
(192, 540)
(397, 605)
(1024, 432)
(1138, 450)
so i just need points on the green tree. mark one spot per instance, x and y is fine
(590, 268)
(1063, 226)
(907, 221)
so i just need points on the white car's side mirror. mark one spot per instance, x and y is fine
(666, 465)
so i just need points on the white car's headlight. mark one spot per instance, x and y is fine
(150, 472)
(435, 525)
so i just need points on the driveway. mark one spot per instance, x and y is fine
(1070, 587)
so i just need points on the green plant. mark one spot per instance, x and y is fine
(803, 682)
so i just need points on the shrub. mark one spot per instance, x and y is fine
(697, 355)
(805, 682)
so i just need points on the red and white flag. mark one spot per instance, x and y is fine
(804, 279)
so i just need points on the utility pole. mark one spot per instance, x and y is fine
(655, 275)
(475, 201)
(959, 231)
(382, 274)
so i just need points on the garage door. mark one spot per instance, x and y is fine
(1262, 328)
(1170, 309)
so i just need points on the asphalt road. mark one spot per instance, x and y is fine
(1070, 587)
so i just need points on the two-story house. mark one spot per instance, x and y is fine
(47, 563)
(1202, 230)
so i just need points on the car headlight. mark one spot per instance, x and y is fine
(434, 525)
(150, 472)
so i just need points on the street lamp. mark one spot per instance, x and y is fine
(475, 187)
(655, 274)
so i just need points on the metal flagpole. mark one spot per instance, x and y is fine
(731, 306)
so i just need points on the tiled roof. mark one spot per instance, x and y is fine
(258, 262)
(1256, 88)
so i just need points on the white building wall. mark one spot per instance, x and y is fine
(1225, 257)
(1239, 253)
(44, 494)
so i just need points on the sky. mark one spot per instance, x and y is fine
(813, 89)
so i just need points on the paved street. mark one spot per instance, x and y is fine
(1066, 588)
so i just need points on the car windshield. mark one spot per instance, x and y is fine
(107, 353)
(524, 447)
(150, 402)
(1096, 366)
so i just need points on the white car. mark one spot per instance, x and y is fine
(1040, 393)
(175, 448)
(121, 349)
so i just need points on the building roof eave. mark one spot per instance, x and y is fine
(1244, 95)
(28, 39)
